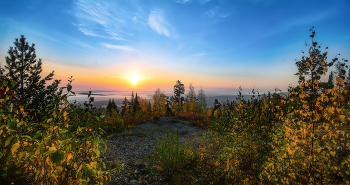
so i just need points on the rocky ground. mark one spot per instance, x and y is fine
(131, 148)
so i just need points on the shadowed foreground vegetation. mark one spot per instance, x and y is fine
(299, 139)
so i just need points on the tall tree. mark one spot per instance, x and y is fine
(341, 73)
(23, 68)
(179, 89)
(159, 105)
(191, 97)
(132, 99)
(124, 105)
(111, 106)
(202, 100)
(217, 105)
(331, 80)
(136, 104)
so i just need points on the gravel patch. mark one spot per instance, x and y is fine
(130, 148)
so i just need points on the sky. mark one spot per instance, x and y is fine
(220, 45)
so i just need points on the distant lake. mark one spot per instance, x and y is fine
(101, 97)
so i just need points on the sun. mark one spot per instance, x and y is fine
(134, 81)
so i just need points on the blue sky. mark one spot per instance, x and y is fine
(219, 45)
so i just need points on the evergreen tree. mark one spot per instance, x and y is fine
(217, 105)
(149, 106)
(179, 89)
(111, 106)
(132, 99)
(136, 104)
(331, 80)
(24, 68)
(124, 105)
(202, 102)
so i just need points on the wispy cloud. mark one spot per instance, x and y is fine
(204, 1)
(81, 44)
(107, 19)
(158, 24)
(218, 12)
(182, 1)
(126, 48)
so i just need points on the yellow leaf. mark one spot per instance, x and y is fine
(65, 115)
(69, 156)
(14, 147)
(48, 160)
(93, 164)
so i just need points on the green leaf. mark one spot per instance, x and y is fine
(95, 142)
(57, 157)
(49, 152)
(73, 146)
(14, 147)
(8, 140)
(20, 124)
(38, 149)
(69, 87)
(13, 83)
(26, 136)
(3, 126)
(85, 134)
(31, 148)
(11, 124)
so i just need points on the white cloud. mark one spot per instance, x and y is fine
(81, 44)
(158, 24)
(126, 48)
(217, 12)
(108, 19)
(182, 1)
(204, 1)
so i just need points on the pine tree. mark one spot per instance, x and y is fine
(179, 89)
(331, 80)
(23, 68)
(217, 105)
(136, 104)
(202, 102)
(132, 99)
(111, 106)
(124, 104)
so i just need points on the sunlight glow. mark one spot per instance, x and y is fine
(134, 81)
